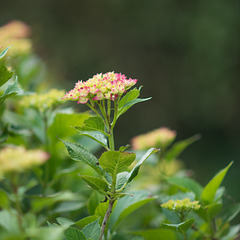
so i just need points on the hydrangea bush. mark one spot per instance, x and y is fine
(46, 195)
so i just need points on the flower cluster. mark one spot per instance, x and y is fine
(17, 159)
(44, 101)
(159, 138)
(101, 86)
(183, 205)
(16, 33)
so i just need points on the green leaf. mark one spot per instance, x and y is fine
(68, 206)
(123, 148)
(4, 201)
(135, 170)
(96, 183)
(4, 52)
(157, 234)
(187, 184)
(78, 153)
(93, 124)
(211, 188)
(93, 201)
(230, 213)
(85, 221)
(5, 74)
(97, 136)
(180, 227)
(233, 233)
(127, 205)
(74, 234)
(11, 90)
(101, 209)
(133, 102)
(8, 220)
(92, 230)
(64, 221)
(180, 146)
(115, 162)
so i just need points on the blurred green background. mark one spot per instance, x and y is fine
(185, 53)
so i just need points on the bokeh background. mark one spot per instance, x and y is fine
(185, 53)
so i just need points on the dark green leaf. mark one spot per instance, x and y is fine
(93, 202)
(187, 184)
(135, 170)
(211, 188)
(230, 213)
(78, 153)
(85, 221)
(95, 183)
(180, 227)
(180, 146)
(131, 95)
(92, 124)
(4, 201)
(115, 162)
(133, 102)
(210, 211)
(5, 74)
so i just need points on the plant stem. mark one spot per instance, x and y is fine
(105, 220)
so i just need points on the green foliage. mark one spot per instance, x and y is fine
(157, 234)
(180, 227)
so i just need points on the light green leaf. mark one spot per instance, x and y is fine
(85, 221)
(68, 206)
(74, 234)
(121, 179)
(8, 220)
(92, 230)
(5, 74)
(127, 205)
(131, 95)
(123, 148)
(93, 202)
(133, 102)
(157, 234)
(11, 90)
(97, 136)
(4, 201)
(211, 188)
(210, 211)
(96, 183)
(115, 162)
(92, 124)
(180, 146)
(187, 184)
(180, 227)
(135, 170)
(64, 221)
(4, 52)
(78, 153)
(233, 233)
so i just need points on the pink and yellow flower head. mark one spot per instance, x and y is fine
(159, 138)
(101, 86)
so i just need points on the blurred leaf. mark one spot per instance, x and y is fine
(127, 205)
(123, 148)
(78, 153)
(74, 234)
(92, 230)
(11, 90)
(8, 220)
(180, 227)
(95, 183)
(210, 211)
(64, 221)
(233, 233)
(68, 206)
(4, 52)
(185, 184)
(96, 136)
(38, 203)
(157, 234)
(180, 146)
(93, 202)
(4, 201)
(115, 162)
(210, 190)
(5, 74)
(230, 213)
(85, 221)
(135, 170)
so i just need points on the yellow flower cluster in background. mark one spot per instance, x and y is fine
(18, 159)
(159, 138)
(16, 34)
(44, 101)
(181, 205)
